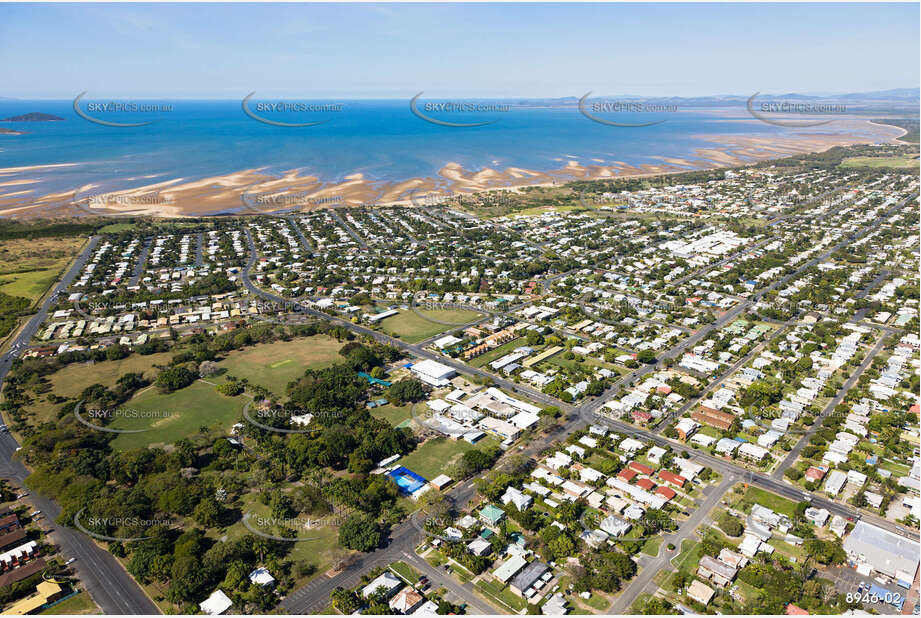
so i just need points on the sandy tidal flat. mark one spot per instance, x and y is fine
(253, 191)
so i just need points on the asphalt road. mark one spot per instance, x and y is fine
(838, 398)
(98, 571)
(643, 580)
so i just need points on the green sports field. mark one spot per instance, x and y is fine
(274, 365)
(413, 328)
(171, 416)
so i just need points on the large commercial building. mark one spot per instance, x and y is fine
(887, 553)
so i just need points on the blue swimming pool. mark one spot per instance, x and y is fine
(407, 480)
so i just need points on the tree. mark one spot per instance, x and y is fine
(174, 378)
(207, 368)
(407, 389)
(360, 532)
(730, 525)
(646, 356)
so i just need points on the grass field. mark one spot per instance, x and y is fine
(392, 414)
(29, 267)
(774, 502)
(901, 161)
(501, 595)
(412, 328)
(431, 458)
(72, 379)
(116, 227)
(274, 365)
(456, 316)
(502, 350)
(80, 603)
(176, 415)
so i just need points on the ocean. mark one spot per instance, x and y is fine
(383, 140)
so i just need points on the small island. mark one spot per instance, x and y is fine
(32, 117)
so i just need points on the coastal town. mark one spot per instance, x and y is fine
(694, 395)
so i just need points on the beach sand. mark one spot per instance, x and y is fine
(253, 191)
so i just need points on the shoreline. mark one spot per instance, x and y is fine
(252, 191)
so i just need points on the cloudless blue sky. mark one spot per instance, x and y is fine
(329, 51)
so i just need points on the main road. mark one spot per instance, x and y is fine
(98, 571)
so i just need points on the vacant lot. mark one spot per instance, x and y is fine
(274, 365)
(171, 416)
(774, 502)
(502, 350)
(434, 456)
(412, 328)
(28, 267)
(395, 415)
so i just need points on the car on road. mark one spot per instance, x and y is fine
(69, 561)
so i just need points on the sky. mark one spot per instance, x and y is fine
(353, 51)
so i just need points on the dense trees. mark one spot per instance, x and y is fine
(360, 532)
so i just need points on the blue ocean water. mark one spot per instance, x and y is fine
(383, 140)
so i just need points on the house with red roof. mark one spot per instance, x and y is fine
(646, 484)
(640, 468)
(670, 478)
(816, 473)
(641, 416)
(666, 492)
(626, 475)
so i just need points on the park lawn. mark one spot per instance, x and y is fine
(907, 160)
(395, 415)
(71, 380)
(434, 456)
(772, 501)
(275, 365)
(177, 415)
(501, 595)
(115, 227)
(80, 603)
(457, 316)
(412, 328)
(502, 350)
(322, 551)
